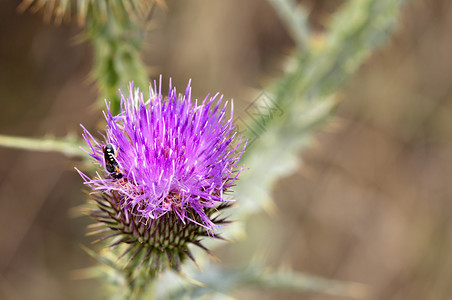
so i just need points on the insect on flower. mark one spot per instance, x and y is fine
(111, 164)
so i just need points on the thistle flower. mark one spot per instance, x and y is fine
(166, 165)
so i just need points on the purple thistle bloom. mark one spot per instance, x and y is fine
(164, 160)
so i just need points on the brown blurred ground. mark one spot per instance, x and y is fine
(371, 204)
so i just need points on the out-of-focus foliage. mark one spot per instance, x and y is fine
(217, 283)
(307, 95)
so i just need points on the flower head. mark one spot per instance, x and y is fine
(167, 164)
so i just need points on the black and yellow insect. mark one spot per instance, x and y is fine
(111, 164)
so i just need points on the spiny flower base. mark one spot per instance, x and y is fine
(153, 244)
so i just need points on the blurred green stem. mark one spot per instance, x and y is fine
(68, 146)
(255, 275)
(117, 40)
(295, 19)
(305, 95)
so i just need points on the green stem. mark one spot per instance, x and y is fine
(117, 42)
(295, 19)
(67, 146)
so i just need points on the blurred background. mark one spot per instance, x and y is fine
(371, 204)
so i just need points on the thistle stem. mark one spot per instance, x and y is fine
(67, 146)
